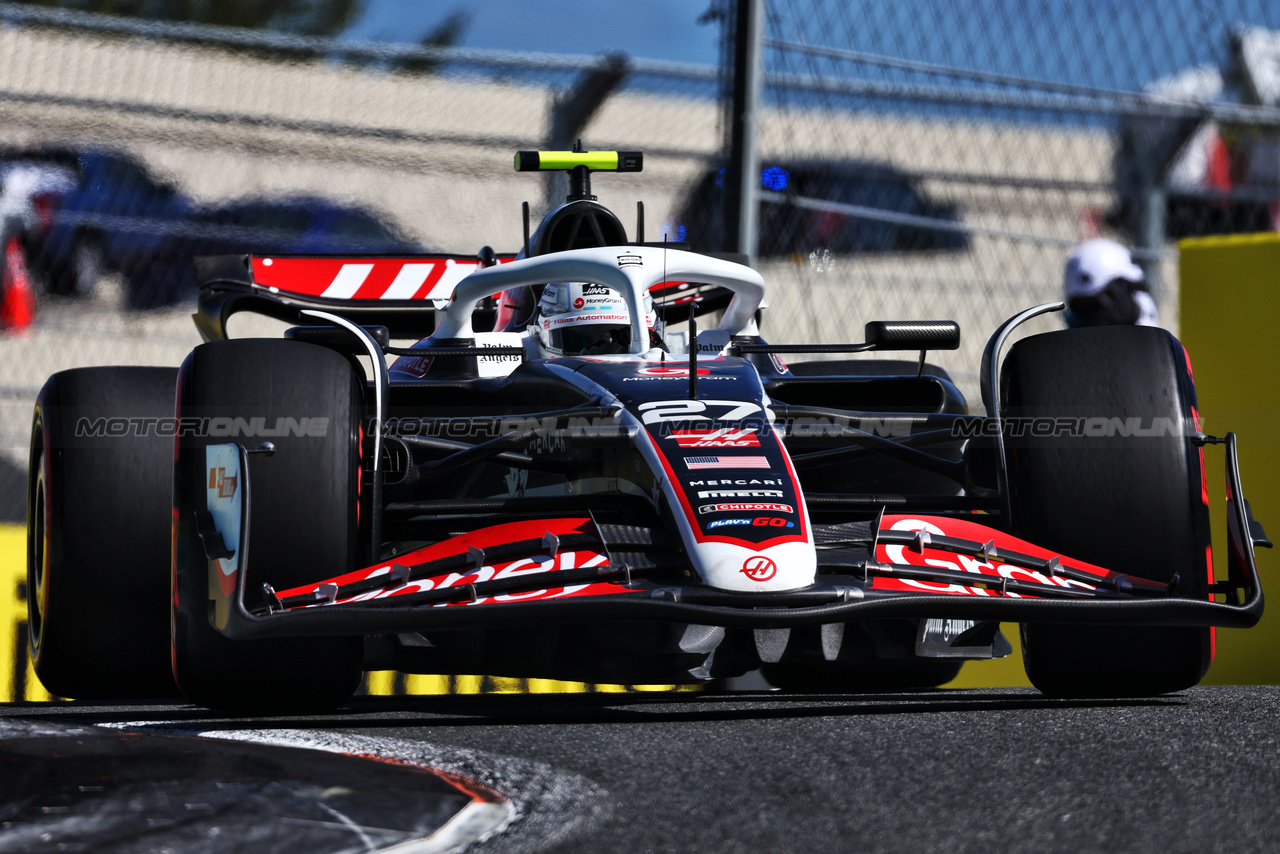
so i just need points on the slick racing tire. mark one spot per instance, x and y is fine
(302, 525)
(1132, 503)
(98, 498)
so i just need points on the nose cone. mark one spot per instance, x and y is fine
(787, 566)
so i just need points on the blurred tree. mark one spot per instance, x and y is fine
(449, 33)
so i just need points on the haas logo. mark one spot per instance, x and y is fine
(759, 568)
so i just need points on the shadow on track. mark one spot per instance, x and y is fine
(409, 712)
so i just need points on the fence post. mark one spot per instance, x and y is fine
(742, 172)
(1151, 238)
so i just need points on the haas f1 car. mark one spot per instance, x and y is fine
(568, 479)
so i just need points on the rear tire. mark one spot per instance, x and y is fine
(98, 534)
(303, 524)
(1133, 504)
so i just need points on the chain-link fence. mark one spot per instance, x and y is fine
(935, 159)
(126, 148)
(921, 160)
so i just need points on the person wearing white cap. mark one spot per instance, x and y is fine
(1103, 287)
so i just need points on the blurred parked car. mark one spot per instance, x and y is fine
(785, 228)
(111, 214)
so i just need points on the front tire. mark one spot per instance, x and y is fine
(1131, 503)
(302, 528)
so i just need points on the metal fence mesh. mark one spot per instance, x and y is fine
(1018, 129)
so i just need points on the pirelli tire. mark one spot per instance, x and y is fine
(1124, 489)
(98, 496)
(303, 519)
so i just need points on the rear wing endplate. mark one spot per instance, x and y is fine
(401, 292)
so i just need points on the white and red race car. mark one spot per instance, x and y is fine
(680, 507)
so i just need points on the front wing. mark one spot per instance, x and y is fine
(571, 570)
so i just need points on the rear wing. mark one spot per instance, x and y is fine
(402, 292)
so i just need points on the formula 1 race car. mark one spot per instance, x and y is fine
(558, 482)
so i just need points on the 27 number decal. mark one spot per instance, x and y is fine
(659, 411)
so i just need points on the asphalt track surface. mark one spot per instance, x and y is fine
(956, 771)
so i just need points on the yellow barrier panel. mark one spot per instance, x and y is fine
(1004, 672)
(17, 680)
(13, 609)
(1230, 317)
(389, 683)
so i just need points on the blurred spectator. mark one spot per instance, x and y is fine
(1103, 287)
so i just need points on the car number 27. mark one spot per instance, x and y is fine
(658, 411)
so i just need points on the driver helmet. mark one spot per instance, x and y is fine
(1103, 286)
(586, 319)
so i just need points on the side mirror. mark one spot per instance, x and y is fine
(913, 334)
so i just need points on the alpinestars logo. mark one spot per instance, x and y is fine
(630, 261)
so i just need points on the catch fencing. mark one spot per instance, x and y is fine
(1004, 133)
